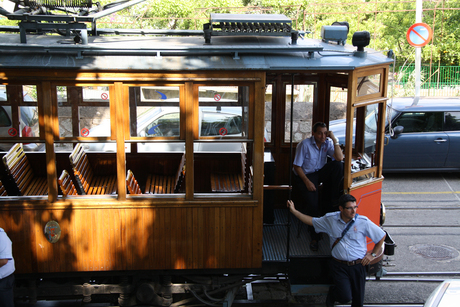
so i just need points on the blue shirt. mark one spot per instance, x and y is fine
(353, 245)
(6, 253)
(310, 158)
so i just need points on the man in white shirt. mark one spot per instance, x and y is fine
(347, 236)
(6, 271)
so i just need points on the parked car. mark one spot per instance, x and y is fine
(165, 122)
(28, 124)
(447, 294)
(422, 137)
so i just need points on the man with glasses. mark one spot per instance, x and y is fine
(311, 168)
(347, 232)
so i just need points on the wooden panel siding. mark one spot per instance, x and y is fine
(134, 239)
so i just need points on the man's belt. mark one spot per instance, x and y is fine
(349, 263)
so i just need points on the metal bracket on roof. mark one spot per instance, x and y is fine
(249, 25)
(25, 26)
(236, 56)
(29, 15)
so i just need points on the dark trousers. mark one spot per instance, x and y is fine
(331, 176)
(349, 283)
(6, 291)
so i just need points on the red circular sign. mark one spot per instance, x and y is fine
(217, 97)
(12, 132)
(84, 132)
(419, 34)
(105, 96)
(223, 131)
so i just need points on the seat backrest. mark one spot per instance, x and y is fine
(3, 190)
(81, 167)
(132, 184)
(180, 172)
(66, 184)
(18, 167)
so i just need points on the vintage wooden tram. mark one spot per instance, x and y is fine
(185, 125)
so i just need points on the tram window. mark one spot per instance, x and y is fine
(167, 124)
(154, 111)
(29, 93)
(84, 111)
(213, 124)
(338, 105)
(2, 92)
(63, 147)
(369, 85)
(303, 111)
(5, 120)
(223, 111)
(370, 128)
(22, 98)
(28, 121)
(222, 164)
(268, 113)
(364, 143)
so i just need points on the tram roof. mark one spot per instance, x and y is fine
(182, 53)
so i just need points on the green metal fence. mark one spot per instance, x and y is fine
(437, 78)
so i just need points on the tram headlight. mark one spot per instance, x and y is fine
(383, 214)
(361, 39)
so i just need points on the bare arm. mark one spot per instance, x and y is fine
(310, 185)
(377, 247)
(302, 217)
(338, 154)
(3, 262)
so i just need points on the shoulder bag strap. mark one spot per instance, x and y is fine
(344, 231)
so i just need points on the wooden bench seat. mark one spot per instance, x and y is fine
(157, 183)
(66, 184)
(132, 184)
(227, 182)
(231, 182)
(18, 167)
(3, 190)
(88, 182)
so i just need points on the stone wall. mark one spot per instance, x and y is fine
(302, 118)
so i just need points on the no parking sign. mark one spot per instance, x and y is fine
(419, 34)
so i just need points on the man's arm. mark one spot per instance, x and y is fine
(377, 247)
(302, 217)
(310, 185)
(338, 154)
(3, 262)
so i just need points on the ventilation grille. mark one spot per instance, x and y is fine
(59, 3)
(252, 27)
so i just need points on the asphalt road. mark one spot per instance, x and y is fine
(423, 213)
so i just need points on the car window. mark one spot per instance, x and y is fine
(452, 121)
(220, 124)
(420, 121)
(166, 125)
(5, 120)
